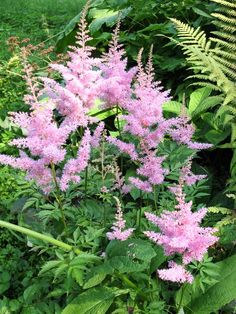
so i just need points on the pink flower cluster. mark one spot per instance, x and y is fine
(45, 141)
(118, 229)
(86, 79)
(180, 232)
(142, 107)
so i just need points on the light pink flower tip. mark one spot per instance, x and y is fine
(180, 230)
(175, 273)
(142, 185)
(118, 228)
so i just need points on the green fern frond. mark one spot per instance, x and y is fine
(226, 109)
(204, 60)
(219, 210)
(223, 43)
(225, 221)
(225, 26)
(224, 36)
(231, 4)
(190, 36)
(228, 213)
(206, 84)
(224, 18)
(226, 54)
(227, 64)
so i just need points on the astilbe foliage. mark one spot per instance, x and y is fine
(66, 107)
(180, 231)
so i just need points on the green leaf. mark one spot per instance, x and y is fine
(95, 280)
(93, 301)
(48, 266)
(105, 16)
(207, 103)
(125, 264)
(202, 13)
(197, 97)
(219, 294)
(30, 292)
(140, 249)
(172, 106)
(216, 136)
(4, 281)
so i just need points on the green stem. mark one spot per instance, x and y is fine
(140, 211)
(129, 283)
(181, 299)
(58, 198)
(86, 181)
(156, 197)
(39, 236)
(119, 130)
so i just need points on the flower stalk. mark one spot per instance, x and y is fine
(39, 236)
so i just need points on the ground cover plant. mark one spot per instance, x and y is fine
(107, 202)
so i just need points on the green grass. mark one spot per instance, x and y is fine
(39, 20)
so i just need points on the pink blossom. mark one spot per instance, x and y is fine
(175, 273)
(180, 231)
(115, 87)
(142, 185)
(97, 134)
(128, 148)
(118, 229)
(74, 166)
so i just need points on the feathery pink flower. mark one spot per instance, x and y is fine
(175, 273)
(118, 229)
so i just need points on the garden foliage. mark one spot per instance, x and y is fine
(103, 179)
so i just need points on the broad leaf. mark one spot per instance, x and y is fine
(197, 97)
(93, 301)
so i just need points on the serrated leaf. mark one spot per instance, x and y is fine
(95, 280)
(137, 248)
(48, 266)
(197, 97)
(93, 301)
(217, 294)
(172, 106)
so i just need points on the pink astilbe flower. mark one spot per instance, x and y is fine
(152, 169)
(97, 135)
(180, 231)
(81, 77)
(188, 177)
(76, 165)
(145, 108)
(115, 87)
(128, 148)
(118, 229)
(175, 273)
(183, 132)
(140, 184)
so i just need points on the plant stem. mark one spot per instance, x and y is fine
(156, 197)
(39, 236)
(86, 181)
(140, 211)
(181, 299)
(119, 130)
(58, 197)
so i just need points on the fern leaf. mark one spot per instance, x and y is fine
(230, 46)
(224, 18)
(226, 54)
(224, 35)
(225, 3)
(219, 210)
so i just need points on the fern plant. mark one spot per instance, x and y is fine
(213, 62)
